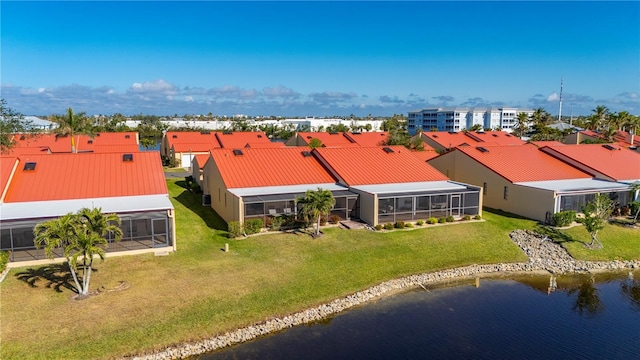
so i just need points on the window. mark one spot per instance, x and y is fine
(506, 192)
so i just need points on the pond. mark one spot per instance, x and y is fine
(527, 317)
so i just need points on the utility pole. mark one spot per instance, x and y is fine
(560, 110)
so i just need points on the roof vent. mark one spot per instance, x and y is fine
(508, 135)
(434, 136)
(175, 136)
(259, 136)
(127, 157)
(127, 136)
(452, 132)
(494, 135)
(387, 149)
(227, 132)
(29, 166)
(22, 137)
(482, 149)
(609, 147)
(306, 153)
(237, 152)
(98, 134)
(205, 132)
(356, 133)
(90, 142)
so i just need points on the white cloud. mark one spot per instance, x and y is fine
(553, 97)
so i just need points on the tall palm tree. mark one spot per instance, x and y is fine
(314, 204)
(58, 233)
(82, 236)
(632, 123)
(520, 127)
(599, 119)
(72, 124)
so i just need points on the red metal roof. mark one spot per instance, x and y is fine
(116, 148)
(497, 137)
(90, 175)
(377, 165)
(613, 161)
(522, 163)
(373, 138)
(201, 159)
(426, 154)
(181, 139)
(194, 147)
(257, 167)
(6, 166)
(62, 144)
(449, 139)
(240, 139)
(337, 139)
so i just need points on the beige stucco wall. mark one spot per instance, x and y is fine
(429, 141)
(521, 200)
(296, 140)
(368, 207)
(223, 202)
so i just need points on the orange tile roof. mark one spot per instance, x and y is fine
(90, 175)
(201, 159)
(240, 139)
(6, 166)
(373, 138)
(258, 167)
(62, 144)
(425, 155)
(174, 138)
(497, 137)
(611, 160)
(522, 163)
(328, 139)
(375, 165)
(449, 139)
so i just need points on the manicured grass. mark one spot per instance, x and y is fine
(619, 242)
(201, 291)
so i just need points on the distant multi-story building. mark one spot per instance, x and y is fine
(460, 118)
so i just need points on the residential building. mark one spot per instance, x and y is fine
(524, 180)
(36, 188)
(460, 118)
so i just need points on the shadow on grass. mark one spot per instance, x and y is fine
(554, 234)
(193, 202)
(504, 213)
(56, 277)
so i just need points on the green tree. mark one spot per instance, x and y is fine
(314, 204)
(596, 214)
(598, 119)
(635, 195)
(631, 124)
(72, 124)
(520, 128)
(475, 127)
(315, 143)
(80, 236)
(11, 123)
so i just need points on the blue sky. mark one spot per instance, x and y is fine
(317, 58)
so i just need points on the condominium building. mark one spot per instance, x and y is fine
(460, 118)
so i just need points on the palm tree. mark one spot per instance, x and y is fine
(520, 128)
(635, 194)
(632, 123)
(81, 236)
(314, 204)
(72, 124)
(598, 119)
(58, 233)
(596, 213)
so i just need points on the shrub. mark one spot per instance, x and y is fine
(580, 220)
(388, 226)
(419, 222)
(432, 220)
(450, 218)
(399, 224)
(253, 226)
(477, 217)
(633, 206)
(334, 219)
(466, 218)
(323, 220)
(378, 227)
(276, 223)
(408, 225)
(564, 218)
(4, 259)
(234, 229)
(442, 220)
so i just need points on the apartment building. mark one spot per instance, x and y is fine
(461, 118)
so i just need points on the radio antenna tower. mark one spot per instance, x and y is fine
(560, 110)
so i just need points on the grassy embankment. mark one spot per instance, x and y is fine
(202, 291)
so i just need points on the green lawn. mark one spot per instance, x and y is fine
(200, 290)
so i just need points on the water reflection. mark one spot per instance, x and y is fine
(583, 317)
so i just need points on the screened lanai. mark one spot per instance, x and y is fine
(267, 202)
(419, 201)
(141, 230)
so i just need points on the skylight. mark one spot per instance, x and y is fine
(237, 152)
(387, 149)
(609, 147)
(482, 149)
(127, 157)
(29, 166)
(306, 153)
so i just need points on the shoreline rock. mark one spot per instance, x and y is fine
(544, 256)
